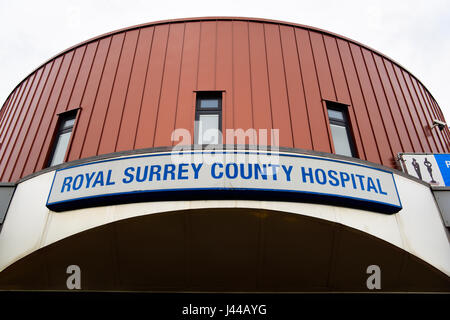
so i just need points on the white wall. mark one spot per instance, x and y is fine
(417, 228)
(25, 223)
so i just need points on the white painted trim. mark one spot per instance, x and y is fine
(417, 228)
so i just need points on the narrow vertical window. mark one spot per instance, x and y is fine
(208, 117)
(340, 129)
(62, 138)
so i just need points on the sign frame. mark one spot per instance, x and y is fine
(436, 172)
(226, 192)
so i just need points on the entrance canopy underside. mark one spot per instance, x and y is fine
(223, 250)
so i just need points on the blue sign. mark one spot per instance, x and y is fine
(443, 162)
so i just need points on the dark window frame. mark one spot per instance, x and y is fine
(206, 111)
(60, 130)
(343, 109)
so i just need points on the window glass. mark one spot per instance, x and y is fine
(335, 114)
(68, 123)
(208, 132)
(62, 138)
(209, 103)
(208, 117)
(60, 148)
(340, 129)
(340, 140)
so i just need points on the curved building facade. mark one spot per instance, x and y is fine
(90, 177)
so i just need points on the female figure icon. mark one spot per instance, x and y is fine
(430, 171)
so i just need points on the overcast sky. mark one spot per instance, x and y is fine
(415, 33)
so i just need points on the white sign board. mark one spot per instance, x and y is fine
(222, 174)
(431, 168)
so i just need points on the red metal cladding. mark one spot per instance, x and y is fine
(133, 87)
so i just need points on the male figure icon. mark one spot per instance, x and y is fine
(417, 168)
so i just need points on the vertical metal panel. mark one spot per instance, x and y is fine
(426, 111)
(26, 157)
(445, 134)
(18, 143)
(114, 111)
(79, 89)
(411, 110)
(133, 103)
(440, 116)
(17, 110)
(383, 143)
(6, 106)
(281, 114)
(8, 113)
(49, 117)
(62, 97)
(82, 77)
(438, 110)
(242, 95)
(362, 118)
(224, 71)
(337, 72)
(69, 82)
(185, 112)
(4, 111)
(399, 123)
(207, 56)
(317, 120)
(89, 97)
(423, 128)
(322, 66)
(20, 96)
(446, 131)
(443, 137)
(447, 138)
(49, 121)
(170, 87)
(402, 107)
(431, 105)
(381, 100)
(301, 131)
(93, 134)
(262, 116)
(152, 91)
(342, 90)
(17, 126)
